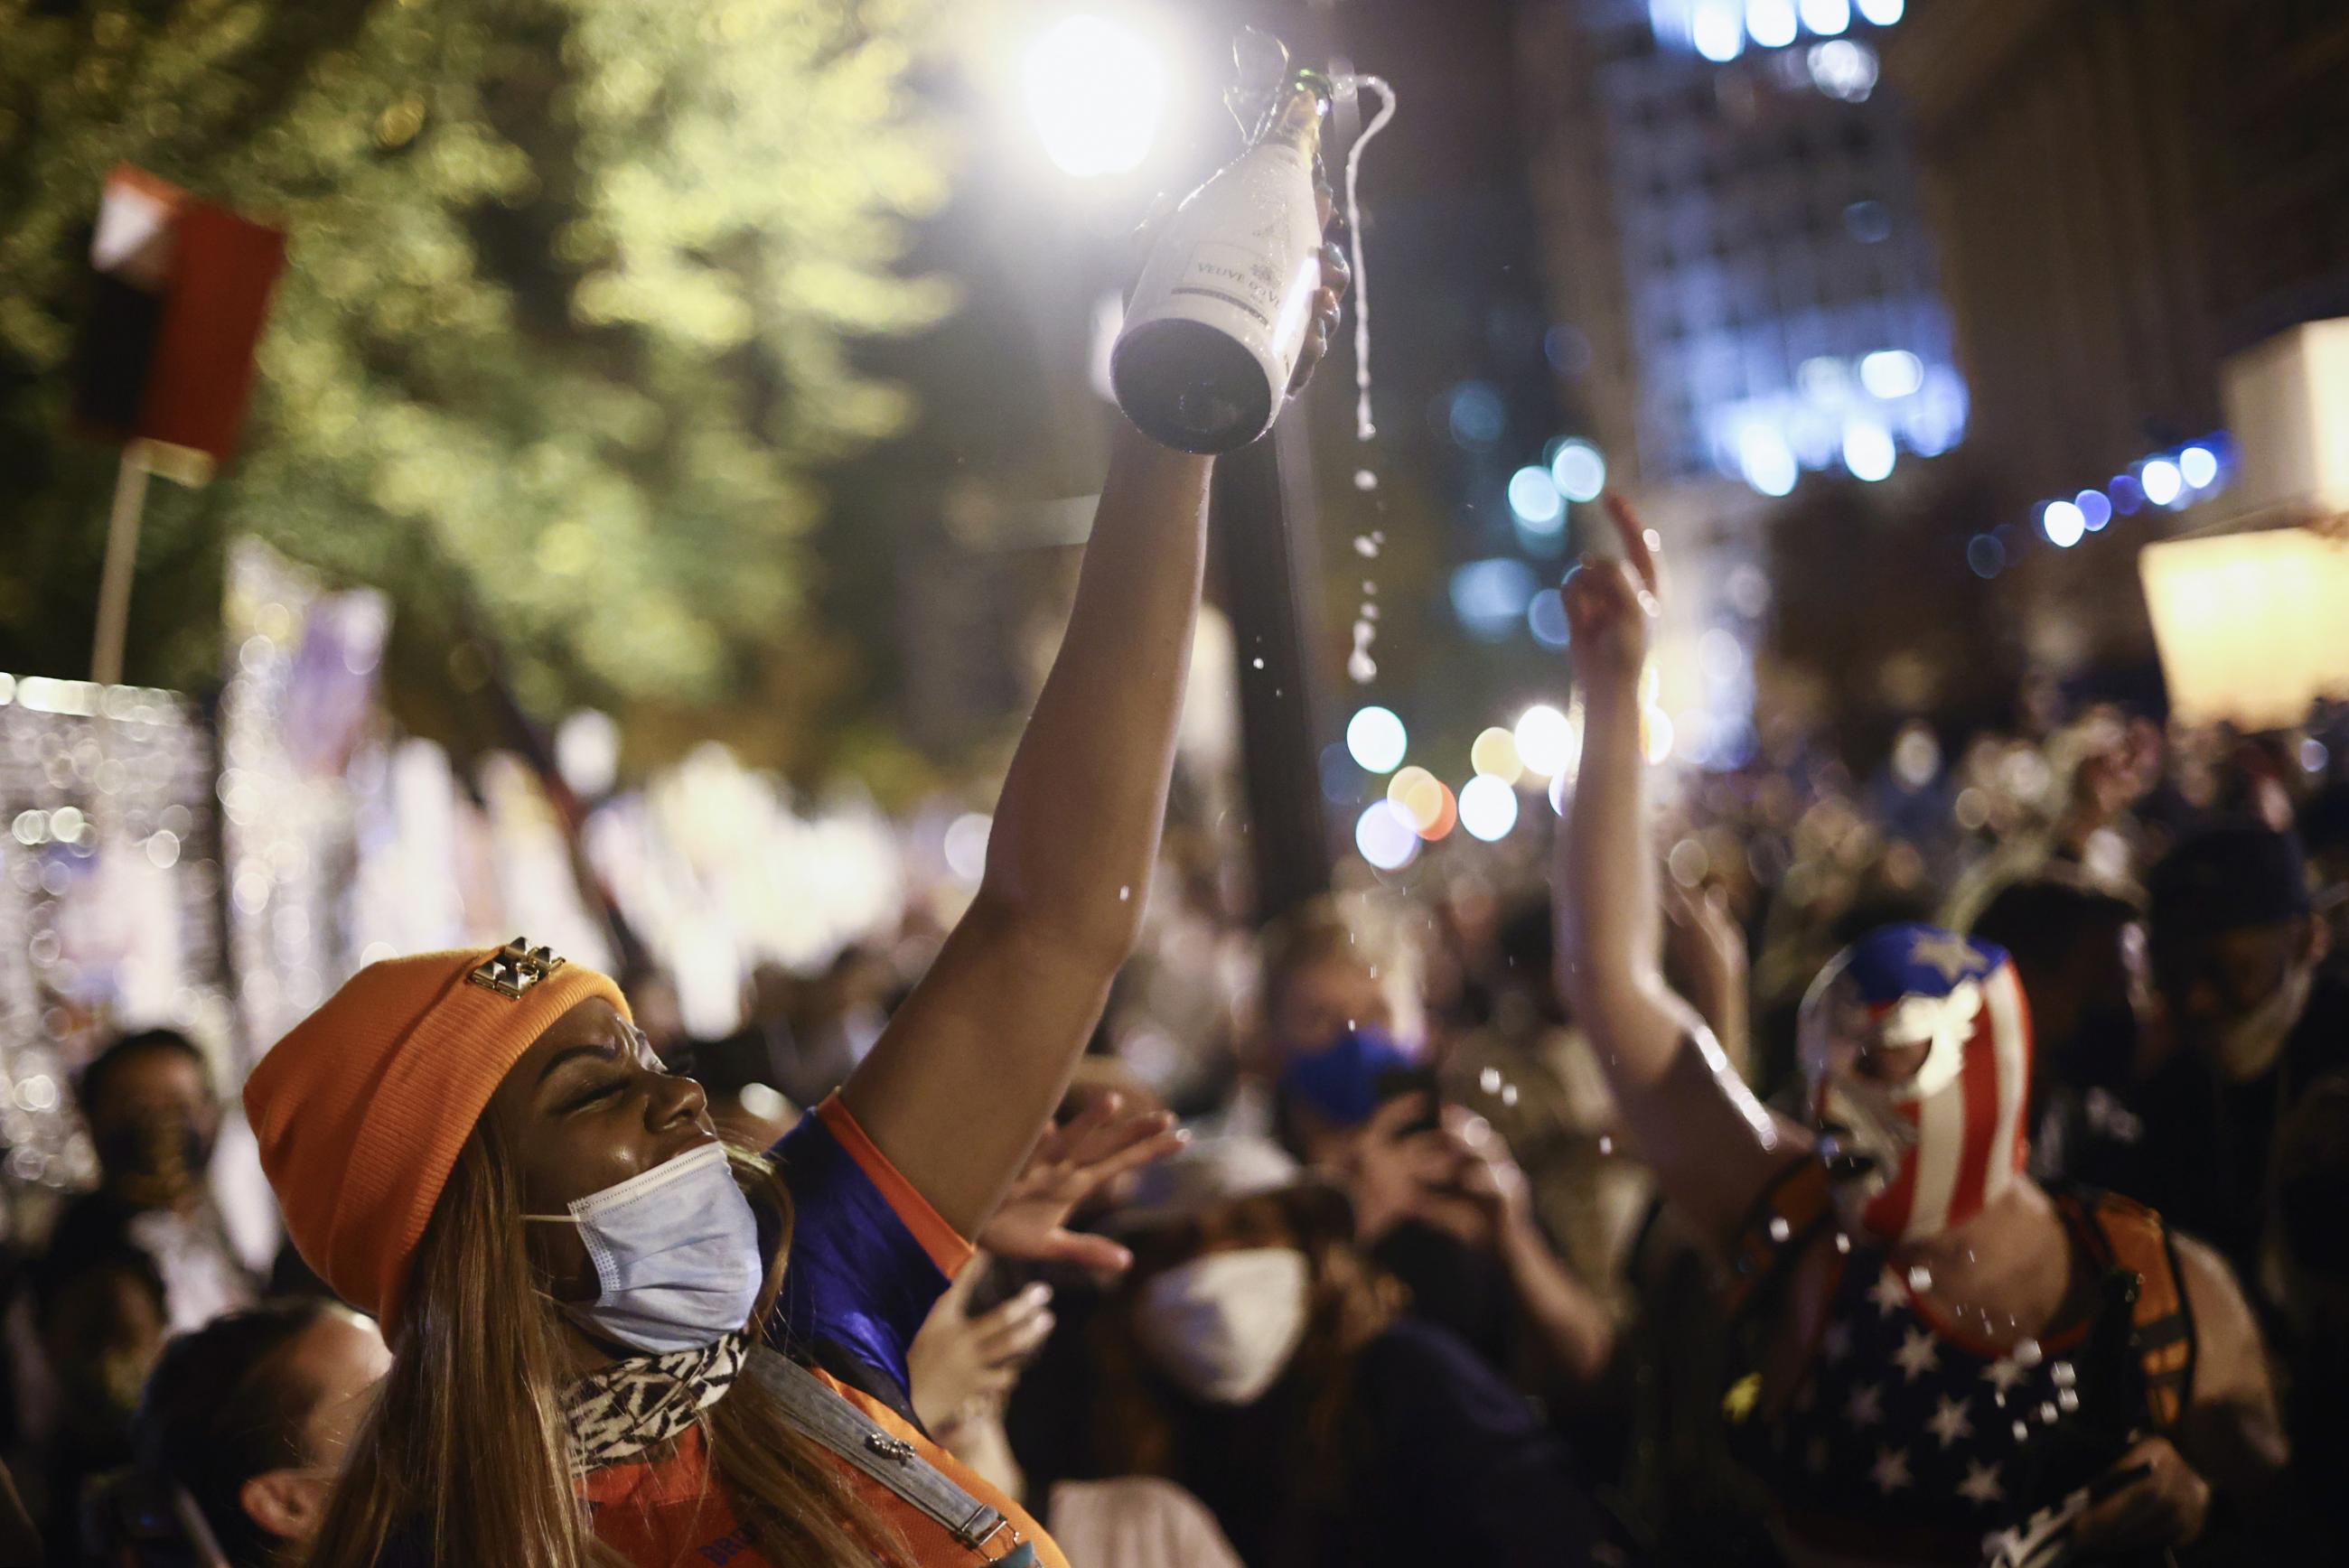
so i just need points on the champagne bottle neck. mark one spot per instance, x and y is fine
(1296, 123)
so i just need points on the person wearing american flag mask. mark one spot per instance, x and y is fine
(1938, 1360)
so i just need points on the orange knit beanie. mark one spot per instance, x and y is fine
(362, 1108)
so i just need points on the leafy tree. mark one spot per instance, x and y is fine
(567, 324)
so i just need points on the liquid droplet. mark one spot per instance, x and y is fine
(1364, 427)
(2068, 1399)
(2064, 1375)
(2027, 1353)
(1508, 1094)
(1779, 1228)
(2047, 1415)
(2021, 1431)
(1921, 1279)
(1362, 668)
(1489, 1081)
(1124, 893)
(1843, 1243)
(1366, 547)
(1365, 481)
(1257, 663)
(1605, 1145)
(1369, 612)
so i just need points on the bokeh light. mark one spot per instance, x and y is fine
(1419, 794)
(966, 846)
(1883, 13)
(1534, 500)
(1771, 22)
(2198, 466)
(1892, 373)
(1578, 471)
(1547, 743)
(1985, 555)
(1718, 30)
(2096, 507)
(1545, 619)
(1488, 807)
(1767, 462)
(1826, 18)
(1656, 734)
(1867, 450)
(1493, 755)
(1385, 837)
(1477, 416)
(2161, 480)
(2063, 523)
(1489, 596)
(1377, 739)
(1094, 91)
(1447, 815)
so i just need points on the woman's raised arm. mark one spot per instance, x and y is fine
(972, 1066)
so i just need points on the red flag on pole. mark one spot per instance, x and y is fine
(183, 291)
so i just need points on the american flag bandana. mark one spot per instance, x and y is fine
(1938, 1142)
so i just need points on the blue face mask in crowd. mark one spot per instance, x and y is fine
(1342, 1080)
(675, 1252)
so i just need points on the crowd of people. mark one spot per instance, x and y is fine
(1937, 1168)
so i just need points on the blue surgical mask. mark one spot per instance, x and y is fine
(675, 1252)
(1344, 1079)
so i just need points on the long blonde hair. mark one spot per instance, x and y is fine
(486, 1479)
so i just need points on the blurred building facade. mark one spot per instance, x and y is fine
(1746, 291)
(1732, 201)
(2126, 192)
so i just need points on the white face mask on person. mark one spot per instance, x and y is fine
(1222, 1326)
(675, 1252)
(2251, 1045)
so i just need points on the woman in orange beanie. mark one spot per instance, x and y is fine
(600, 1355)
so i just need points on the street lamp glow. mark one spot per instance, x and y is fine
(1095, 91)
(1377, 740)
(1489, 808)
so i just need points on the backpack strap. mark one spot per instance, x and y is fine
(2128, 1235)
(1792, 1209)
(819, 1413)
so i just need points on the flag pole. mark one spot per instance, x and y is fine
(121, 555)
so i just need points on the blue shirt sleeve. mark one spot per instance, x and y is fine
(857, 1280)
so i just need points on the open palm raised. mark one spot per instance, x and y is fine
(1071, 1162)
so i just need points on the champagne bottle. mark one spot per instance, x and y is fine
(1218, 322)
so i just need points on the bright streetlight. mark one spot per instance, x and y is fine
(1095, 91)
